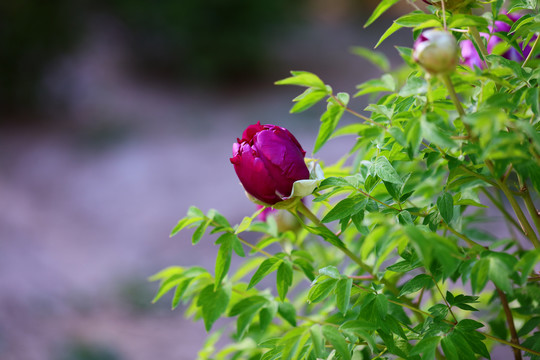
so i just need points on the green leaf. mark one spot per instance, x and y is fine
(321, 290)
(327, 235)
(479, 275)
(416, 284)
(386, 171)
(213, 304)
(345, 208)
(307, 99)
(392, 29)
(318, 341)
(464, 20)
(183, 223)
(330, 271)
(381, 306)
(179, 292)
(500, 270)
(529, 326)
(288, 312)
(269, 265)
(303, 78)
(445, 203)
(337, 340)
(199, 232)
(527, 264)
(426, 346)
(376, 58)
(379, 10)
(343, 294)
(330, 119)
(449, 349)
(415, 19)
(284, 279)
(244, 225)
(223, 260)
(435, 135)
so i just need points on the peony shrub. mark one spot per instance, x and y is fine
(391, 252)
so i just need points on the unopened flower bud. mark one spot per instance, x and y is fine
(268, 161)
(436, 51)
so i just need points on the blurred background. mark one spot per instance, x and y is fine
(115, 117)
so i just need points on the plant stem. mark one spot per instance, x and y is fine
(501, 208)
(357, 114)
(452, 92)
(533, 49)
(510, 322)
(470, 242)
(254, 247)
(529, 204)
(527, 229)
(302, 208)
(444, 298)
(478, 39)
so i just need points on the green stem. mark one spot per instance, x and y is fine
(444, 298)
(527, 229)
(526, 195)
(501, 208)
(302, 208)
(469, 242)
(453, 95)
(533, 50)
(479, 41)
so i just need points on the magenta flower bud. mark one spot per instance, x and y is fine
(268, 160)
(471, 58)
(436, 51)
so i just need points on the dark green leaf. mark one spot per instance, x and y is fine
(223, 260)
(426, 346)
(416, 284)
(445, 203)
(345, 208)
(529, 326)
(343, 294)
(269, 265)
(284, 279)
(288, 312)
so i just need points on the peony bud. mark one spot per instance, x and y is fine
(436, 50)
(268, 160)
(471, 58)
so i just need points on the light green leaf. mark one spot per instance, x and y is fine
(330, 119)
(337, 340)
(321, 290)
(318, 341)
(383, 169)
(376, 58)
(307, 99)
(183, 223)
(392, 29)
(379, 10)
(303, 78)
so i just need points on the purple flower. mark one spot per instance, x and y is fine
(471, 58)
(436, 50)
(268, 160)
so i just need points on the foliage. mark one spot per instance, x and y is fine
(392, 260)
